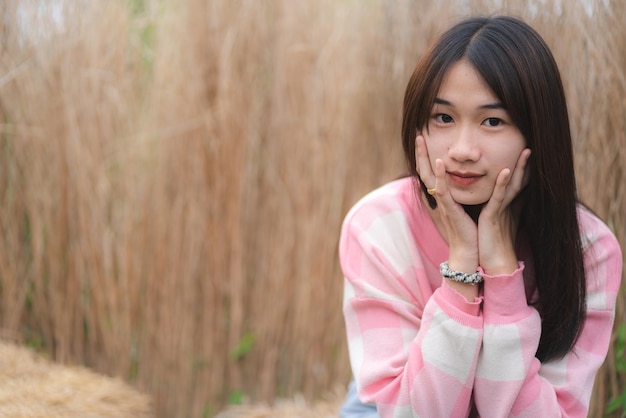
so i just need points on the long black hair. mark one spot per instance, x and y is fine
(519, 68)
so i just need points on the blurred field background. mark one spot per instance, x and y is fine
(174, 173)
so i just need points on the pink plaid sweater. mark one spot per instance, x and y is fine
(419, 349)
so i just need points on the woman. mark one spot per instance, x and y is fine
(478, 285)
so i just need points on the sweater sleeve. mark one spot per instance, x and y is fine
(412, 353)
(510, 380)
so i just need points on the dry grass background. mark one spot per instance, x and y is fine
(32, 386)
(173, 176)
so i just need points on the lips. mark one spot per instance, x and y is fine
(464, 178)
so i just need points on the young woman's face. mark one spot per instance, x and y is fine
(471, 132)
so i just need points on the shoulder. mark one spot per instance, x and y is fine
(395, 198)
(602, 253)
(594, 231)
(380, 219)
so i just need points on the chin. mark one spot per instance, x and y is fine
(472, 204)
(471, 200)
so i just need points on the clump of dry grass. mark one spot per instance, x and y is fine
(173, 176)
(33, 387)
(296, 407)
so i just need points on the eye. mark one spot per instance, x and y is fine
(493, 122)
(443, 118)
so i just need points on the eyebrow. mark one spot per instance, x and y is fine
(495, 105)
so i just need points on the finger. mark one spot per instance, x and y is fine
(457, 222)
(423, 166)
(500, 189)
(441, 187)
(508, 186)
(520, 176)
(499, 196)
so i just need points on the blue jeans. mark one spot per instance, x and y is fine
(354, 408)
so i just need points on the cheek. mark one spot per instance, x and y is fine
(510, 158)
(436, 149)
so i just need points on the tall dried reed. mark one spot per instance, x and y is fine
(174, 174)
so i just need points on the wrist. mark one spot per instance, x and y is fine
(464, 263)
(460, 276)
(499, 257)
(463, 257)
(500, 265)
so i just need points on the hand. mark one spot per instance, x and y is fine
(498, 220)
(459, 229)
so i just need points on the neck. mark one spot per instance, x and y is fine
(473, 211)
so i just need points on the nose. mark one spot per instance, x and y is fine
(464, 147)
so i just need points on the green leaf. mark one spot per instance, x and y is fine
(236, 398)
(243, 347)
(616, 403)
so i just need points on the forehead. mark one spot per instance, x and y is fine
(462, 83)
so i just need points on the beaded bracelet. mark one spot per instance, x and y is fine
(459, 276)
